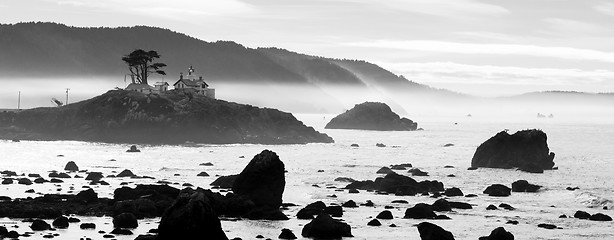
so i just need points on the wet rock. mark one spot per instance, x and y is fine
(208, 164)
(63, 175)
(380, 145)
(374, 222)
(325, 227)
(87, 196)
(311, 210)
(286, 234)
(87, 226)
(420, 211)
(506, 206)
(491, 207)
(453, 192)
(73, 220)
(7, 181)
(448, 145)
(24, 181)
(202, 174)
(384, 215)
(61, 222)
(600, 217)
(94, 176)
(335, 211)
(39, 225)
(397, 184)
(517, 150)
(513, 222)
(524, 186)
(126, 173)
(349, 204)
(371, 116)
(34, 175)
(8, 173)
(133, 149)
(546, 226)
(262, 180)
(125, 220)
(225, 181)
(354, 145)
(581, 215)
(531, 168)
(499, 234)
(190, 215)
(119, 231)
(12, 234)
(402, 166)
(344, 179)
(460, 205)
(497, 190)
(441, 205)
(417, 172)
(56, 180)
(71, 167)
(384, 170)
(353, 191)
(153, 192)
(429, 231)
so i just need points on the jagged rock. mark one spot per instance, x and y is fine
(429, 231)
(325, 227)
(262, 180)
(190, 215)
(384, 215)
(524, 186)
(499, 234)
(497, 190)
(286, 234)
(61, 222)
(397, 184)
(371, 116)
(517, 150)
(71, 166)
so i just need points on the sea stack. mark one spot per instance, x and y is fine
(371, 116)
(523, 149)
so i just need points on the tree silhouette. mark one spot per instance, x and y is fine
(140, 63)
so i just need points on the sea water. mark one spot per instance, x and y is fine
(584, 153)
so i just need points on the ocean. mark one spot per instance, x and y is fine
(584, 156)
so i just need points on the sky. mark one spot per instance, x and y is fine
(484, 48)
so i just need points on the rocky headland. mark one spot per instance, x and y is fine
(173, 117)
(371, 116)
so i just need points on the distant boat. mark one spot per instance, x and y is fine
(539, 115)
(469, 115)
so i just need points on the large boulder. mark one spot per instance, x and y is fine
(262, 181)
(429, 231)
(524, 186)
(420, 211)
(325, 227)
(499, 234)
(525, 149)
(71, 166)
(497, 190)
(190, 215)
(371, 116)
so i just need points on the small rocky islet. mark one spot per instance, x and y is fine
(371, 116)
(255, 193)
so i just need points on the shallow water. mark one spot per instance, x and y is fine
(583, 154)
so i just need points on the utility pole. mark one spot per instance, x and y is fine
(19, 101)
(67, 96)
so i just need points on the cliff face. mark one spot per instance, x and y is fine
(371, 116)
(173, 117)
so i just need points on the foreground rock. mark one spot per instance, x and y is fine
(371, 116)
(262, 181)
(325, 227)
(429, 231)
(525, 149)
(173, 117)
(524, 186)
(190, 215)
(499, 234)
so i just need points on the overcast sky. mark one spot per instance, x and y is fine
(494, 47)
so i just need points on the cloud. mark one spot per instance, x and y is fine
(443, 8)
(605, 8)
(176, 9)
(449, 72)
(568, 26)
(495, 49)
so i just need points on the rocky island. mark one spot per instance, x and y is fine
(172, 117)
(526, 150)
(371, 116)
